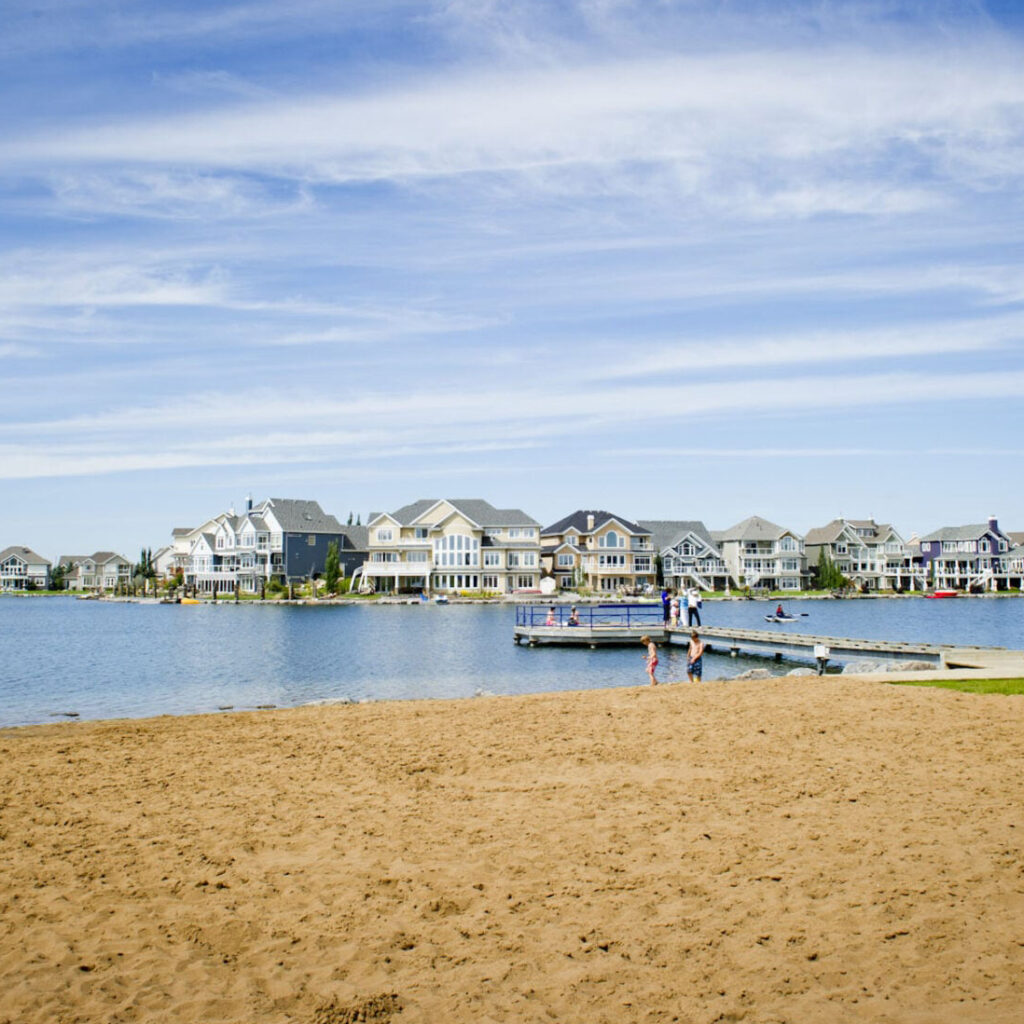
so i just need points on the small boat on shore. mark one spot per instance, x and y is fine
(937, 594)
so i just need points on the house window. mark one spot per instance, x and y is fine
(417, 556)
(385, 536)
(789, 544)
(641, 563)
(490, 582)
(611, 539)
(522, 531)
(524, 582)
(420, 533)
(513, 560)
(566, 561)
(457, 549)
(492, 558)
(220, 540)
(311, 540)
(528, 559)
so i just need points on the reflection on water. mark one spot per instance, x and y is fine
(128, 660)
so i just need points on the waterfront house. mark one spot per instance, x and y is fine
(689, 556)
(966, 557)
(451, 545)
(281, 539)
(99, 572)
(601, 550)
(1013, 566)
(758, 553)
(872, 556)
(22, 569)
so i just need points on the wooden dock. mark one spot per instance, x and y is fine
(770, 643)
(610, 624)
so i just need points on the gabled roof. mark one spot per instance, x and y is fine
(25, 554)
(102, 557)
(667, 533)
(973, 531)
(752, 528)
(182, 531)
(476, 510)
(578, 521)
(301, 516)
(358, 536)
(1016, 538)
(70, 560)
(830, 532)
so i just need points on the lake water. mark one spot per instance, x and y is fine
(59, 655)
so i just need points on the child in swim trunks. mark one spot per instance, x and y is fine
(695, 657)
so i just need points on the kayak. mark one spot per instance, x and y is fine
(941, 593)
(781, 618)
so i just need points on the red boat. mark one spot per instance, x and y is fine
(942, 593)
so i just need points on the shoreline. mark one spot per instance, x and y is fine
(802, 851)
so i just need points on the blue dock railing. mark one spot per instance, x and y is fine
(622, 615)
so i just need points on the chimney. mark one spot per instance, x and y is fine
(248, 503)
(993, 524)
(590, 521)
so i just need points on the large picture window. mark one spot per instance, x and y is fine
(457, 549)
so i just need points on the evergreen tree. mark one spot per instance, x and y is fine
(332, 568)
(349, 523)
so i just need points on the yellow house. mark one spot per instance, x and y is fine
(451, 545)
(598, 549)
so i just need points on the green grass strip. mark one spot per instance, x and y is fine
(1007, 687)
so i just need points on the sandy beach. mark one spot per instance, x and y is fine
(800, 850)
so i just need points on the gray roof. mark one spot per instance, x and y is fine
(301, 516)
(1016, 538)
(182, 531)
(70, 560)
(26, 554)
(358, 536)
(578, 521)
(666, 533)
(973, 531)
(830, 532)
(481, 512)
(753, 528)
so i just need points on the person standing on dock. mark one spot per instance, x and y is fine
(665, 600)
(693, 603)
(651, 658)
(673, 618)
(695, 658)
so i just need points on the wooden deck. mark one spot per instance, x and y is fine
(604, 625)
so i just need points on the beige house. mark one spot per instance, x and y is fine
(600, 550)
(758, 553)
(449, 545)
(99, 572)
(872, 556)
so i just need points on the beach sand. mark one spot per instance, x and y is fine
(804, 850)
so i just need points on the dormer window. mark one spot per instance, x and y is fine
(611, 539)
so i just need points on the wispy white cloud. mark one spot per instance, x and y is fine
(804, 348)
(717, 120)
(430, 421)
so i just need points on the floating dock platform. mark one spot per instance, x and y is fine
(622, 624)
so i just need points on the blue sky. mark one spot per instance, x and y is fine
(677, 259)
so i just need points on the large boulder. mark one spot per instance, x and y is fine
(754, 673)
(802, 672)
(864, 667)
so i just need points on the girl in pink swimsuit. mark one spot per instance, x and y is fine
(651, 658)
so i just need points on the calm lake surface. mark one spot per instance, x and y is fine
(59, 655)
